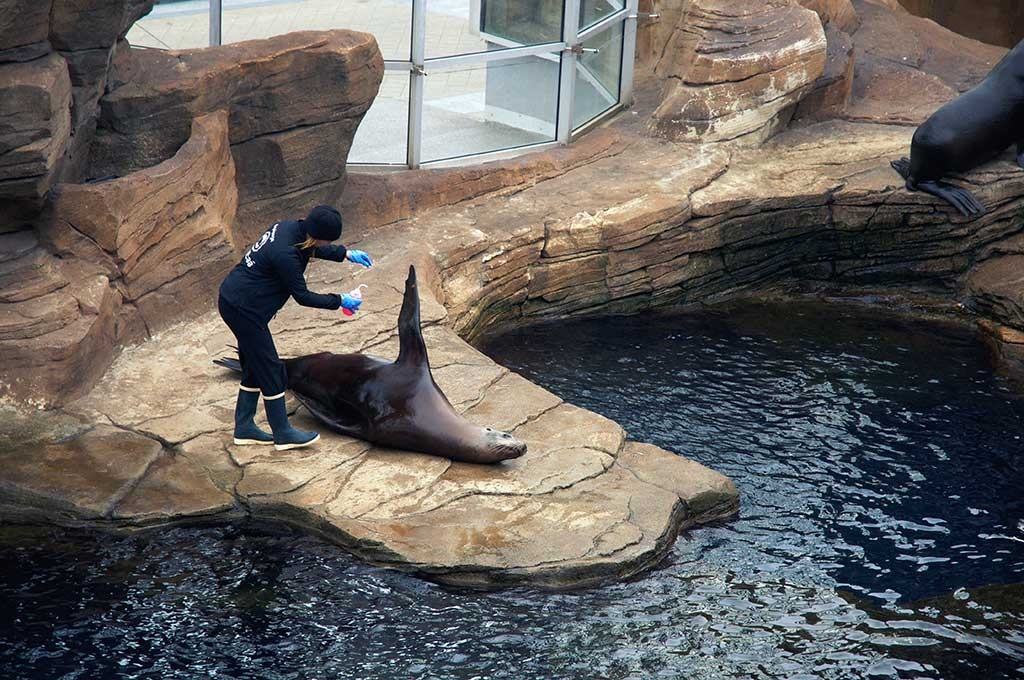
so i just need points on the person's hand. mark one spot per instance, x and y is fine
(359, 257)
(350, 303)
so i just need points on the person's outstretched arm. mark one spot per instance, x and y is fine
(289, 268)
(332, 253)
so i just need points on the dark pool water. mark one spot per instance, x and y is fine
(882, 534)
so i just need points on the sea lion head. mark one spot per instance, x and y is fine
(494, 446)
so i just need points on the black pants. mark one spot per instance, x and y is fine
(261, 367)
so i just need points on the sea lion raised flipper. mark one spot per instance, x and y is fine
(411, 348)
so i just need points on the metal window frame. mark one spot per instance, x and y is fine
(618, 103)
(495, 55)
(417, 66)
(414, 138)
(628, 53)
(216, 20)
(567, 74)
(606, 22)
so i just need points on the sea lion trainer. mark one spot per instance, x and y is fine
(271, 271)
(972, 129)
(393, 403)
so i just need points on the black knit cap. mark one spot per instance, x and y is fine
(323, 222)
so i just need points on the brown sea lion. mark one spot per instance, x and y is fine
(394, 404)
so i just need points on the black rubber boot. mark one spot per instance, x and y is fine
(285, 436)
(246, 432)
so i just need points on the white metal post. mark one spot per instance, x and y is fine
(567, 73)
(628, 53)
(216, 11)
(416, 75)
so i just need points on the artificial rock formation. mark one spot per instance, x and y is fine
(24, 30)
(998, 22)
(907, 67)
(54, 58)
(584, 506)
(293, 102)
(735, 69)
(205, 147)
(839, 14)
(35, 110)
(132, 254)
(161, 234)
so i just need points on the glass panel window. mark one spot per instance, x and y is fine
(467, 26)
(173, 25)
(597, 76)
(592, 11)
(494, 105)
(389, 21)
(381, 137)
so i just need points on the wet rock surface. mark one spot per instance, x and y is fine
(474, 525)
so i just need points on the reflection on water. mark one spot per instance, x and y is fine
(881, 534)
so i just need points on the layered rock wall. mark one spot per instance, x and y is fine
(35, 126)
(734, 69)
(90, 262)
(162, 234)
(294, 102)
(123, 258)
(54, 58)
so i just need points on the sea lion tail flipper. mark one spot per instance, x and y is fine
(960, 198)
(232, 364)
(412, 349)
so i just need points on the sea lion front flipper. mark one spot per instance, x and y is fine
(960, 198)
(348, 423)
(1020, 154)
(411, 348)
(902, 166)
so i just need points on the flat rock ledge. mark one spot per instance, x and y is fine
(151, 446)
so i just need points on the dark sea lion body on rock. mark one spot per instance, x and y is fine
(394, 404)
(974, 128)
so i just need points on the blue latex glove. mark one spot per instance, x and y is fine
(359, 257)
(350, 303)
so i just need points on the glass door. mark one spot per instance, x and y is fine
(462, 78)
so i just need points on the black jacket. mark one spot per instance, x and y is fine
(273, 268)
